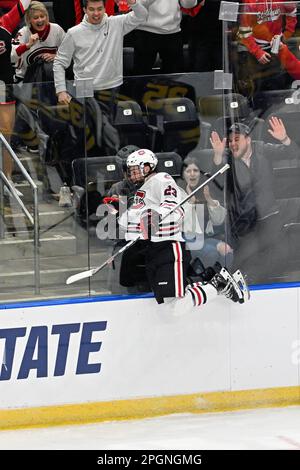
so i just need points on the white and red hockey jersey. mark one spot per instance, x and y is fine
(49, 41)
(260, 20)
(160, 193)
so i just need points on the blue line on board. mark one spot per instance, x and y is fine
(74, 300)
(111, 298)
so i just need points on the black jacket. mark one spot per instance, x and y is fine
(64, 12)
(250, 195)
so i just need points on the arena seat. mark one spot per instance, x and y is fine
(174, 125)
(130, 124)
(169, 162)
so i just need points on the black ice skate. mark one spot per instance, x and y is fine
(233, 286)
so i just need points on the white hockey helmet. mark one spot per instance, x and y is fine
(141, 158)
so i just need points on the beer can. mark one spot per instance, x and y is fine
(276, 44)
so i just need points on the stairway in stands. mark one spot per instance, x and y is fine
(65, 246)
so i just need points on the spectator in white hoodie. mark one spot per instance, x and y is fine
(161, 34)
(96, 47)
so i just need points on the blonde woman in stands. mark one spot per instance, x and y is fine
(39, 39)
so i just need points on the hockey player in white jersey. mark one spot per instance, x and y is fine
(162, 244)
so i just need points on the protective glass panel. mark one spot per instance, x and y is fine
(76, 154)
(69, 159)
(261, 127)
(171, 115)
(42, 242)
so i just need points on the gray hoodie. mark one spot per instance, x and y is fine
(97, 50)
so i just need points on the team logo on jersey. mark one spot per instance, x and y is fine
(139, 200)
(36, 54)
(268, 15)
(2, 47)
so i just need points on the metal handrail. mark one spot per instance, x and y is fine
(13, 191)
(33, 220)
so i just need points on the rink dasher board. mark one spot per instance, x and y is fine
(101, 359)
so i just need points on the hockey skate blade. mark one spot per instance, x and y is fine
(241, 282)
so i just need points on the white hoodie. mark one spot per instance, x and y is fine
(97, 50)
(165, 16)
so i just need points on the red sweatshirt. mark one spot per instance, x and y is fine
(8, 3)
(261, 20)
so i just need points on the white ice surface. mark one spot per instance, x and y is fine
(274, 428)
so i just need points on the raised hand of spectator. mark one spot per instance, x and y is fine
(32, 40)
(265, 58)
(278, 130)
(63, 97)
(218, 146)
(210, 201)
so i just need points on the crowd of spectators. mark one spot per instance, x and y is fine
(242, 228)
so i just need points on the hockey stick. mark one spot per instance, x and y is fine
(93, 271)
(208, 175)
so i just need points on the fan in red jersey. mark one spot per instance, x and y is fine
(262, 24)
